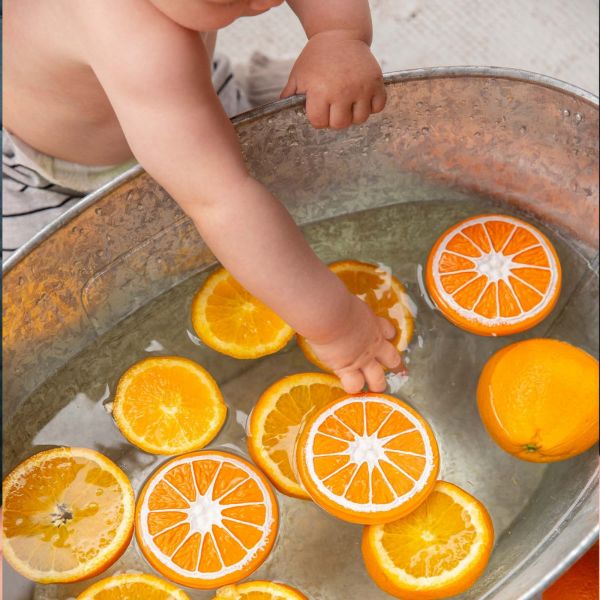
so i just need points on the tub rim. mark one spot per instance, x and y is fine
(277, 105)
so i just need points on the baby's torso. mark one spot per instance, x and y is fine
(51, 98)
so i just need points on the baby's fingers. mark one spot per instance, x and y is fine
(352, 381)
(317, 111)
(387, 329)
(375, 377)
(340, 115)
(388, 355)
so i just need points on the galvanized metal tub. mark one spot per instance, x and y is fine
(527, 140)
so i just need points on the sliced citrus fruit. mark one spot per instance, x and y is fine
(259, 590)
(436, 551)
(522, 392)
(68, 515)
(133, 586)
(206, 519)
(368, 458)
(230, 320)
(385, 295)
(494, 275)
(168, 405)
(277, 419)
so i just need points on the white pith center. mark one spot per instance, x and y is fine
(203, 514)
(367, 449)
(495, 266)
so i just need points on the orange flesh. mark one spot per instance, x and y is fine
(239, 501)
(368, 454)
(524, 286)
(168, 405)
(284, 421)
(230, 320)
(63, 512)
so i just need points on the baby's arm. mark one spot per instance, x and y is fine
(336, 70)
(157, 76)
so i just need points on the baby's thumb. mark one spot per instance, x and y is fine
(289, 89)
(388, 330)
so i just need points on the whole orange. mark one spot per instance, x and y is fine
(538, 399)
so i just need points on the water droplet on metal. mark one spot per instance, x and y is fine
(566, 112)
(578, 118)
(425, 130)
(98, 211)
(523, 129)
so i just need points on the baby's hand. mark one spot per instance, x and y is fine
(341, 79)
(360, 353)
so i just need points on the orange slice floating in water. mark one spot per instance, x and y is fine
(437, 551)
(168, 405)
(277, 419)
(494, 275)
(68, 515)
(229, 319)
(384, 294)
(259, 590)
(368, 458)
(206, 519)
(133, 586)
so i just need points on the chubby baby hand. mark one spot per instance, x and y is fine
(360, 353)
(341, 79)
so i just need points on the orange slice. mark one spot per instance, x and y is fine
(437, 551)
(230, 320)
(168, 405)
(277, 419)
(259, 590)
(368, 458)
(206, 519)
(68, 515)
(385, 295)
(494, 275)
(133, 586)
(522, 393)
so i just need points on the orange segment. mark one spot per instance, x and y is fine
(228, 529)
(494, 275)
(384, 465)
(437, 551)
(386, 296)
(133, 586)
(230, 320)
(259, 590)
(277, 418)
(168, 405)
(68, 515)
(538, 399)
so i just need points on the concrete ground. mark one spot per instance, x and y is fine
(552, 37)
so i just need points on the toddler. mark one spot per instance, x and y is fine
(91, 84)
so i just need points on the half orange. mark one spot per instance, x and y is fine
(385, 295)
(232, 321)
(277, 419)
(438, 550)
(259, 590)
(68, 515)
(133, 586)
(369, 458)
(494, 275)
(206, 519)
